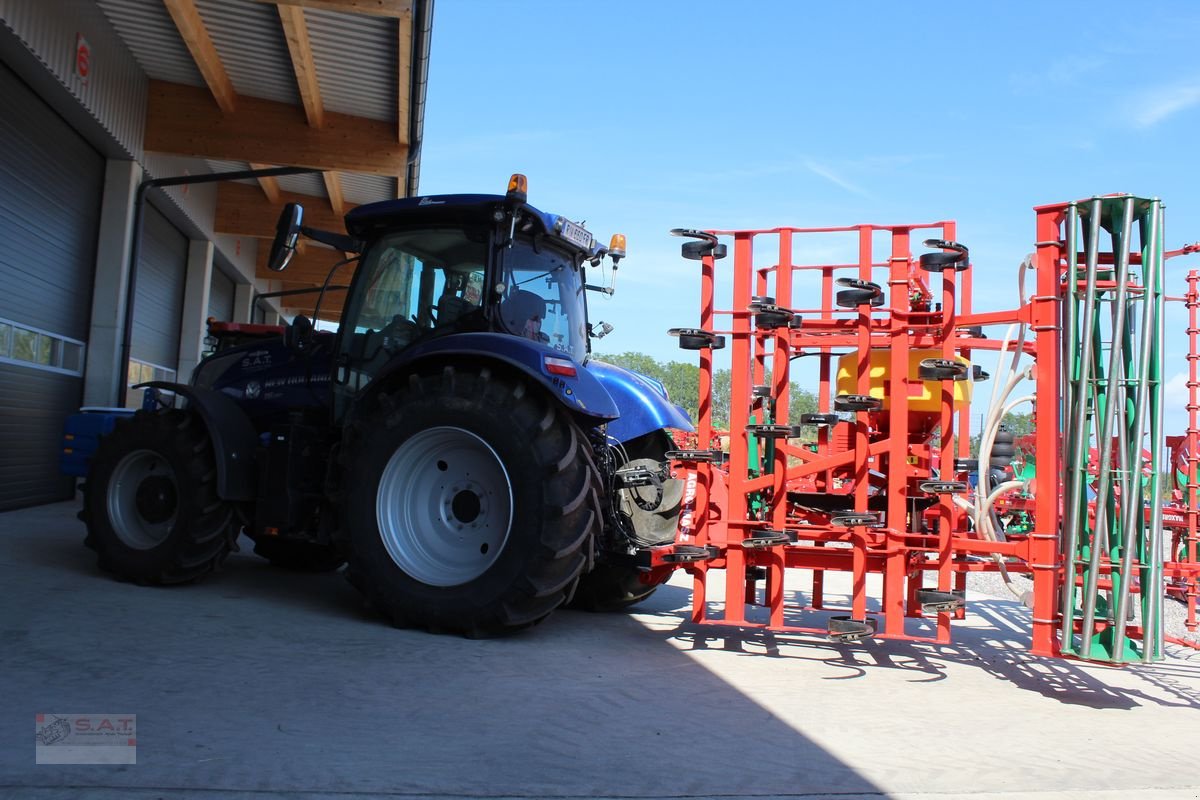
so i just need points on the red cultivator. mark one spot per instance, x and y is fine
(880, 484)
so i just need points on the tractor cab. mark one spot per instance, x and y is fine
(432, 267)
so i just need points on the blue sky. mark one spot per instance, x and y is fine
(643, 116)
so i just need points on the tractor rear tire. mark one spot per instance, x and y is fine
(471, 505)
(300, 556)
(151, 505)
(614, 586)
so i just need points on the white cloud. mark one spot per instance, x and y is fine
(1154, 106)
(831, 176)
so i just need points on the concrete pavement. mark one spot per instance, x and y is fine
(261, 683)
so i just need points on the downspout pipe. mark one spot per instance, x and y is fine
(418, 83)
(135, 249)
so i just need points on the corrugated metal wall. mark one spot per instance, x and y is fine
(114, 92)
(220, 296)
(162, 266)
(49, 216)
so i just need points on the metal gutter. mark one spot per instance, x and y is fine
(418, 83)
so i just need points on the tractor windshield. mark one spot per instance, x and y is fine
(543, 298)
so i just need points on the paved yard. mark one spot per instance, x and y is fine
(263, 683)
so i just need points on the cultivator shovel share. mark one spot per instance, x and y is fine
(882, 482)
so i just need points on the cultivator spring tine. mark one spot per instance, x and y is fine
(942, 369)
(858, 293)
(957, 259)
(697, 456)
(766, 537)
(944, 487)
(774, 431)
(854, 520)
(857, 402)
(689, 554)
(846, 630)
(706, 244)
(697, 339)
(820, 420)
(933, 601)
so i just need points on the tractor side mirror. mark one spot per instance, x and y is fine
(287, 232)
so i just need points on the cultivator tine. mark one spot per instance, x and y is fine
(847, 630)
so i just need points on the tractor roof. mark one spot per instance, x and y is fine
(366, 221)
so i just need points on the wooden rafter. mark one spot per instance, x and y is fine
(242, 212)
(269, 185)
(179, 120)
(309, 268)
(404, 37)
(204, 53)
(295, 30)
(333, 186)
(377, 8)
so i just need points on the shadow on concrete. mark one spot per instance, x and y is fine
(997, 643)
(260, 681)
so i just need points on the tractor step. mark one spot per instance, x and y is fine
(765, 537)
(690, 553)
(697, 339)
(944, 487)
(847, 629)
(937, 602)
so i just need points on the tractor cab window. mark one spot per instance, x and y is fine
(543, 298)
(412, 285)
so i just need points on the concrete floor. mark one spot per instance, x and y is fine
(260, 683)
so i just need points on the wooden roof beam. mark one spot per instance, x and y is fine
(242, 212)
(305, 269)
(180, 120)
(204, 52)
(295, 31)
(269, 185)
(333, 186)
(377, 8)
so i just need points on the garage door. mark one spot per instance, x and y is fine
(220, 297)
(158, 310)
(50, 186)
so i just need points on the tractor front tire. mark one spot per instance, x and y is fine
(471, 504)
(616, 585)
(151, 505)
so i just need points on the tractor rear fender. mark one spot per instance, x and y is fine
(642, 401)
(575, 387)
(233, 437)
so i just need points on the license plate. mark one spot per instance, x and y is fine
(577, 234)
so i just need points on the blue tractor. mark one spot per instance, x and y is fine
(452, 442)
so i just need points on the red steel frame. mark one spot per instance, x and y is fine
(1184, 573)
(886, 454)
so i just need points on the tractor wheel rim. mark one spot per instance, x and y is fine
(444, 506)
(143, 499)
